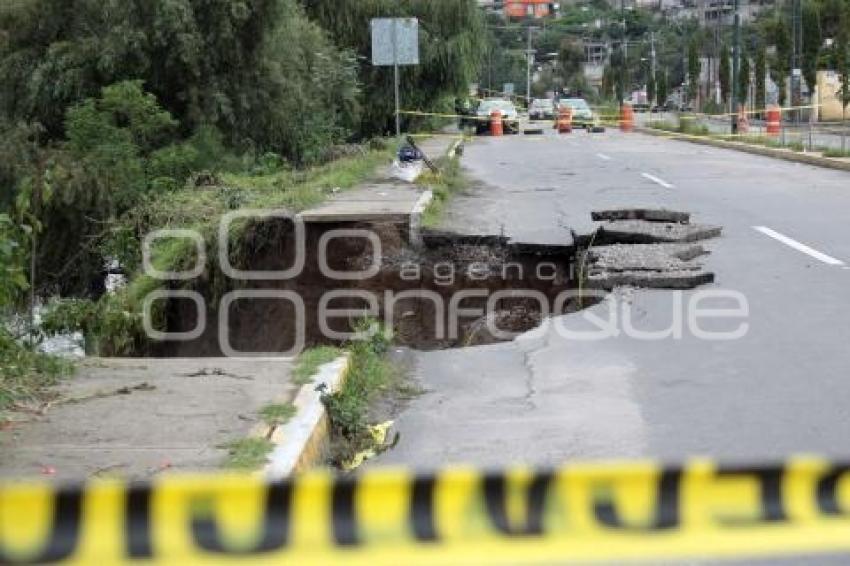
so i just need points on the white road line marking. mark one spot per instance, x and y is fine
(655, 179)
(829, 260)
(603, 156)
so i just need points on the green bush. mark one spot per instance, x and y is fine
(13, 255)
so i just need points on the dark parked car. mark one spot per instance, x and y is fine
(541, 109)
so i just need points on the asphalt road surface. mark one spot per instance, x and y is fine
(545, 399)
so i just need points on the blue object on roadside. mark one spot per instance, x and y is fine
(408, 154)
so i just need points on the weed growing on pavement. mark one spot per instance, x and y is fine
(450, 181)
(369, 374)
(247, 453)
(278, 413)
(309, 362)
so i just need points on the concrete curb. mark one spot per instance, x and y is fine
(416, 217)
(784, 154)
(300, 443)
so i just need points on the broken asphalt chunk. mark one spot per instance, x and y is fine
(642, 232)
(648, 214)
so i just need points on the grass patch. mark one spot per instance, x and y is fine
(200, 208)
(688, 125)
(26, 375)
(835, 152)
(450, 181)
(369, 374)
(278, 413)
(664, 125)
(310, 361)
(247, 454)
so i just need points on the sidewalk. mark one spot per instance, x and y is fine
(387, 200)
(139, 417)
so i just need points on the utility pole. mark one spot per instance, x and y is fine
(796, 55)
(529, 62)
(396, 81)
(625, 50)
(736, 66)
(652, 45)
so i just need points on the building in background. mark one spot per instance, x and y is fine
(536, 9)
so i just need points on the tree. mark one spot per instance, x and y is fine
(761, 89)
(744, 78)
(257, 70)
(780, 33)
(812, 41)
(661, 88)
(651, 89)
(725, 75)
(842, 60)
(452, 45)
(570, 59)
(13, 256)
(693, 69)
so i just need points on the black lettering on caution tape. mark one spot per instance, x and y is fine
(275, 530)
(827, 491)
(770, 493)
(494, 500)
(422, 509)
(666, 514)
(64, 533)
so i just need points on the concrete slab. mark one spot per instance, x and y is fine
(642, 232)
(391, 202)
(648, 214)
(138, 417)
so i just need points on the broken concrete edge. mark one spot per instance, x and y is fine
(416, 217)
(776, 153)
(425, 200)
(301, 443)
(647, 214)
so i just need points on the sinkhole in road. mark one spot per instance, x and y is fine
(443, 291)
(434, 290)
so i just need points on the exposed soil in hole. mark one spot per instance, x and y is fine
(448, 291)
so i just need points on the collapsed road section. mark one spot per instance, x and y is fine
(435, 290)
(647, 248)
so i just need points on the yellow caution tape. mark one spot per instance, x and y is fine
(444, 115)
(638, 511)
(753, 111)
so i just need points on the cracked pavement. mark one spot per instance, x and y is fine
(546, 399)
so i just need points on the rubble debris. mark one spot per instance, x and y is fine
(648, 214)
(676, 280)
(646, 257)
(647, 253)
(643, 232)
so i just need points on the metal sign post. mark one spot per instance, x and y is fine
(395, 42)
